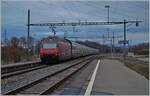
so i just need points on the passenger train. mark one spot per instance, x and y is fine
(54, 49)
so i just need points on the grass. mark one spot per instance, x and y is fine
(136, 65)
(142, 69)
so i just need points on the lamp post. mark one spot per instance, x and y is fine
(107, 6)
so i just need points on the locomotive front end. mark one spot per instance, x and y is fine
(49, 53)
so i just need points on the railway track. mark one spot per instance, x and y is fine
(9, 74)
(18, 66)
(54, 78)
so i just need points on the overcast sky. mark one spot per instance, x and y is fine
(14, 18)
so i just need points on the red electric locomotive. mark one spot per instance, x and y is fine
(53, 51)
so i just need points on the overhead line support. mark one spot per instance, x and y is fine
(28, 30)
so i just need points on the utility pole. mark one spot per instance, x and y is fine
(73, 28)
(103, 37)
(130, 48)
(109, 40)
(112, 41)
(28, 25)
(107, 6)
(113, 37)
(108, 32)
(5, 37)
(124, 52)
(34, 44)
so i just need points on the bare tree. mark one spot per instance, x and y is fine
(23, 42)
(14, 42)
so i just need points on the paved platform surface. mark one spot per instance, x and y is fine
(144, 59)
(77, 84)
(113, 78)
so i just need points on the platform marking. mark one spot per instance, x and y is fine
(89, 88)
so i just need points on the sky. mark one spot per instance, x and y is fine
(14, 18)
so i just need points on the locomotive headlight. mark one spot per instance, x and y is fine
(57, 54)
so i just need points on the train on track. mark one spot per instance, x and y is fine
(54, 49)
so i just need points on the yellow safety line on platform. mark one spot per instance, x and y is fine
(89, 88)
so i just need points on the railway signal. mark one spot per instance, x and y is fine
(125, 41)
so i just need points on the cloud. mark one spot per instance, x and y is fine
(14, 17)
(139, 36)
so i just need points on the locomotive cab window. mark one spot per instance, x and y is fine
(50, 45)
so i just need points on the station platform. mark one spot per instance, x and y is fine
(114, 78)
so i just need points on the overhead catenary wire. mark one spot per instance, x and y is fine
(76, 9)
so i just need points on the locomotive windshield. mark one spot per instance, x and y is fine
(50, 45)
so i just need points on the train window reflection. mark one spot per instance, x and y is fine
(50, 45)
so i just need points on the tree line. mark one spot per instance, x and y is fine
(141, 49)
(16, 50)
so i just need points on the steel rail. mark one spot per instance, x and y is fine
(53, 82)
(6, 75)
(17, 90)
(18, 66)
